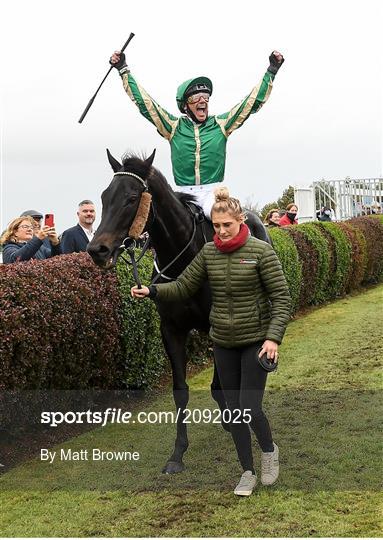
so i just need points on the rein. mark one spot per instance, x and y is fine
(129, 243)
(161, 272)
(197, 219)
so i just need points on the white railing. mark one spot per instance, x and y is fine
(347, 198)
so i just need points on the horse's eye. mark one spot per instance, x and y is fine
(131, 199)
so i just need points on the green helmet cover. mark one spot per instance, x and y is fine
(184, 87)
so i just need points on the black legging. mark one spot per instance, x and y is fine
(243, 382)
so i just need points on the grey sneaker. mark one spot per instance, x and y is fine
(270, 466)
(246, 484)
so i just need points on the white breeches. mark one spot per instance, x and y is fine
(204, 195)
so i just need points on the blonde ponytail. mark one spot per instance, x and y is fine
(225, 203)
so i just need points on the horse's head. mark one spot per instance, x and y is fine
(120, 203)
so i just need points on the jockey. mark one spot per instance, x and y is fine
(197, 140)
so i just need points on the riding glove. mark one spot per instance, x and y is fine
(274, 64)
(120, 64)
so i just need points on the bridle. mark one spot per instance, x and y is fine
(144, 184)
(129, 244)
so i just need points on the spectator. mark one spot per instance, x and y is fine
(78, 237)
(21, 244)
(38, 219)
(290, 216)
(325, 214)
(272, 218)
(36, 216)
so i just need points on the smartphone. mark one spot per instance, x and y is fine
(49, 220)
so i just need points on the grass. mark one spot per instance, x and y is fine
(325, 409)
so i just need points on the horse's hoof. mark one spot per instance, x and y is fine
(173, 467)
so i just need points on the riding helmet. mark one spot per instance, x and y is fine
(190, 87)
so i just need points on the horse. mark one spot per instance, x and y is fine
(177, 234)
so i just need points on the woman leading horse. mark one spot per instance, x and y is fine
(249, 314)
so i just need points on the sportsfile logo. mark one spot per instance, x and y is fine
(118, 416)
(112, 415)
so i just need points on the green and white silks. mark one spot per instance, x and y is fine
(198, 151)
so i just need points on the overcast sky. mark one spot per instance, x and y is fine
(323, 119)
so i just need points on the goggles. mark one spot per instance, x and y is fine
(196, 97)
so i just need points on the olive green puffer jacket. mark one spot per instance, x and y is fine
(251, 300)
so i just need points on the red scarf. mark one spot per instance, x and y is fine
(234, 243)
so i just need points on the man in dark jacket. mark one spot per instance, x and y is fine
(76, 238)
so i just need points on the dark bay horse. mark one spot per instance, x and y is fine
(172, 225)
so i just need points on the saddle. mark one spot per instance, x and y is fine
(196, 211)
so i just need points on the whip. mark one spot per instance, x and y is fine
(103, 80)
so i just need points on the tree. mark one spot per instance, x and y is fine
(251, 206)
(266, 209)
(287, 198)
(282, 202)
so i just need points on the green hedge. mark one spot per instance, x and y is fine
(287, 253)
(359, 255)
(324, 260)
(145, 360)
(340, 268)
(144, 357)
(372, 231)
(333, 258)
(59, 325)
(66, 324)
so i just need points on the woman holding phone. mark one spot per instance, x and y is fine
(23, 240)
(249, 314)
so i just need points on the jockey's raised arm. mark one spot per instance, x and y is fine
(251, 104)
(148, 107)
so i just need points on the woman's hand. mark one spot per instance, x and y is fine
(42, 233)
(52, 235)
(139, 293)
(48, 232)
(271, 348)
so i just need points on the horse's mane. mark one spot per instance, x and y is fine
(184, 198)
(137, 162)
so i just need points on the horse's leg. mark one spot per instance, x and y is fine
(174, 343)
(217, 395)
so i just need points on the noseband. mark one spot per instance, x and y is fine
(137, 227)
(143, 209)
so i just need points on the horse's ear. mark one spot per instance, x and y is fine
(150, 159)
(116, 166)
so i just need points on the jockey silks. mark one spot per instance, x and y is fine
(198, 151)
